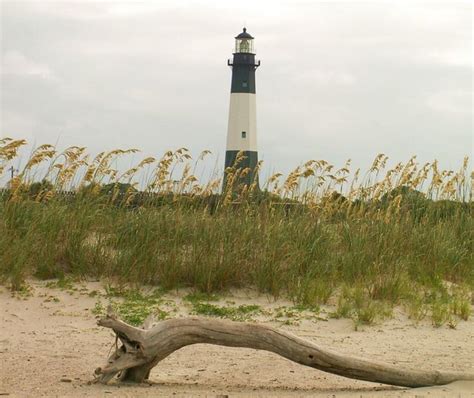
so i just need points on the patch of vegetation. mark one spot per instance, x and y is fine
(136, 307)
(344, 308)
(369, 312)
(356, 304)
(444, 306)
(197, 297)
(311, 291)
(461, 307)
(115, 290)
(448, 305)
(23, 291)
(287, 316)
(416, 308)
(285, 312)
(305, 307)
(440, 313)
(52, 299)
(293, 315)
(99, 308)
(240, 313)
(65, 283)
(135, 312)
(396, 234)
(132, 305)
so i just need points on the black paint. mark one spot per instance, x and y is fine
(249, 160)
(243, 73)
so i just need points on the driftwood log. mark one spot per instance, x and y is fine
(142, 348)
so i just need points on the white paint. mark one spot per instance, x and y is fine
(242, 117)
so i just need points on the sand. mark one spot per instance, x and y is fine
(50, 346)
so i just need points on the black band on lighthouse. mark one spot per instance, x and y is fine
(243, 73)
(248, 159)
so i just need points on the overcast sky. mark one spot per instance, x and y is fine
(338, 80)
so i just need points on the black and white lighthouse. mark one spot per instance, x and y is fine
(242, 128)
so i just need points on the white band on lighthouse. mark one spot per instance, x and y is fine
(242, 127)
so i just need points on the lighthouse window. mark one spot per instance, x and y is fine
(244, 46)
(244, 134)
(244, 84)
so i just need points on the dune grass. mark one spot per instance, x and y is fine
(403, 236)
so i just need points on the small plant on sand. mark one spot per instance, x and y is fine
(369, 312)
(311, 291)
(116, 290)
(136, 306)
(24, 291)
(304, 307)
(416, 308)
(461, 305)
(356, 304)
(240, 313)
(197, 297)
(344, 308)
(440, 313)
(65, 283)
(463, 310)
(53, 299)
(293, 315)
(132, 305)
(99, 308)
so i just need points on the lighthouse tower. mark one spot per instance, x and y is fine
(242, 128)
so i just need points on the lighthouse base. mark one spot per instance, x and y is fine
(247, 159)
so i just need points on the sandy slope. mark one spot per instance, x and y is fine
(43, 341)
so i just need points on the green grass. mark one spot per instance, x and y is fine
(200, 305)
(62, 283)
(394, 241)
(132, 305)
(280, 255)
(440, 314)
(356, 303)
(197, 297)
(240, 313)
(293, 315)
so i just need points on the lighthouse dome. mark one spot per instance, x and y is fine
(244, 35)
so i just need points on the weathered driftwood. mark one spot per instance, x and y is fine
(144, 347)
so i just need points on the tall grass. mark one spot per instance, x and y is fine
(400, 235)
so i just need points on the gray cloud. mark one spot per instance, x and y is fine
(338, 79)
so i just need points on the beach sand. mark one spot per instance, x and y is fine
(50, 345)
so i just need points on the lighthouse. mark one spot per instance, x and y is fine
(242, 127)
